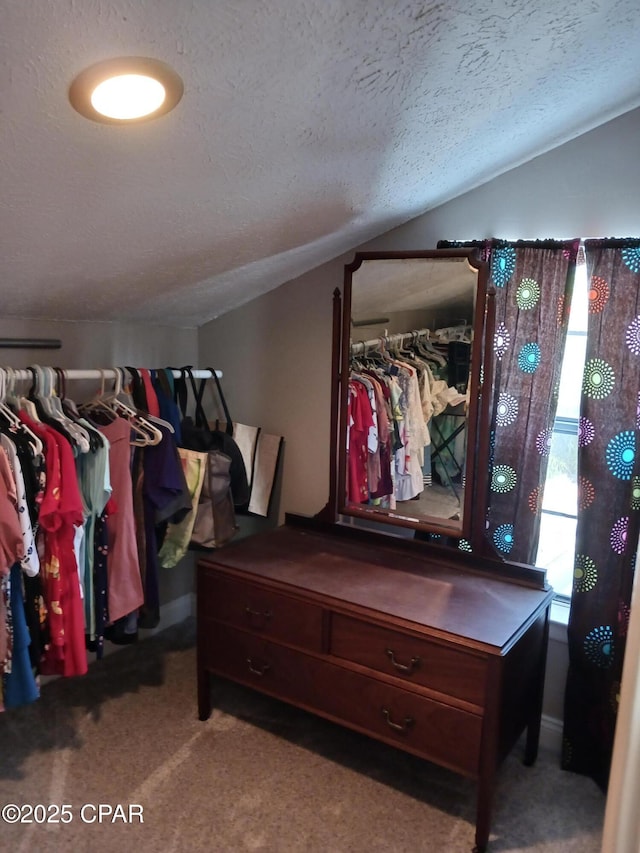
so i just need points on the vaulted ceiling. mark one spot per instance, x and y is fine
(305, 129)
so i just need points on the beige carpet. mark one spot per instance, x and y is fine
(257, 776)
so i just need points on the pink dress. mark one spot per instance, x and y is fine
(123, 568)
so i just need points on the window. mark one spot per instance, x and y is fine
(559, 508)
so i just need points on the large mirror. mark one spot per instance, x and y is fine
(412, 337)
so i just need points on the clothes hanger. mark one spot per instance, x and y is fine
(146, 421)
(78, 435)
(58, 391)
(41, 394)
(402, 351)
(145, 432)
(11, 418)
(37, 392)
(461, 331)
(427, 350)
(71, 411)
(8, 381)
(156, 419)
(27, 405)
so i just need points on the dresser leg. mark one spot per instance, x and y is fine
(483, 818)
(533, 727)
(531, 744)
(204, 694)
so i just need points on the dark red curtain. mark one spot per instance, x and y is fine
(608, 506)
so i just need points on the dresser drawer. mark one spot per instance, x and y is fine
(415, 723)
(259, 610)
(255, 661)
(434, 730)
(442, 668)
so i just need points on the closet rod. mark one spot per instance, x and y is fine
(395, 338)
(30, 343)
(110, 373)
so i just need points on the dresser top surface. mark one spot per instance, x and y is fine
(445, 598)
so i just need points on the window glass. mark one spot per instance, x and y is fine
(571, 377)
(561, 489)
(580, 303)
(556, 551)
(556, 547)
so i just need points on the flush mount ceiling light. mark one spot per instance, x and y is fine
(125, 90)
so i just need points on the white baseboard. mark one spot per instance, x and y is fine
(551, 734)
(172, 613)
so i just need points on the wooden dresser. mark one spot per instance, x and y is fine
(423, 650)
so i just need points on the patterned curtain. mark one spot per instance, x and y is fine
(608, 506)
(534, 285)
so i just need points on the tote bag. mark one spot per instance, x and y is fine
(215, 522)
(198, 435)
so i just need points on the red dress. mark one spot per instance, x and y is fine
(360, 420)
(61, 509)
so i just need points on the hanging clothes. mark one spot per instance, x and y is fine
(60, 514)
(11, 549)
(19, 687)
(163, 495)
(85, 500)
(404, 392)
(124, 580)
(94, 479)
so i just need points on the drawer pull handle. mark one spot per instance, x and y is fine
(258, 670)
(258, 615)
(403, 667)
(399, 727)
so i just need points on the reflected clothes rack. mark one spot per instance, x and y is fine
(395, 338)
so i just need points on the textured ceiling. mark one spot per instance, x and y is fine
(383, 287)
(305, 129)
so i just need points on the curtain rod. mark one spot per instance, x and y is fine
(110, 373)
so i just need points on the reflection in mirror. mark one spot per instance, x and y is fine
(407, 438)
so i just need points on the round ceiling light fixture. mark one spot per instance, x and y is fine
(126, 90)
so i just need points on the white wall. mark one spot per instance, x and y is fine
(276, 351)
(99, 344)
(586, 188)
(275, 354)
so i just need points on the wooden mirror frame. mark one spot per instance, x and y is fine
(476, 463)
